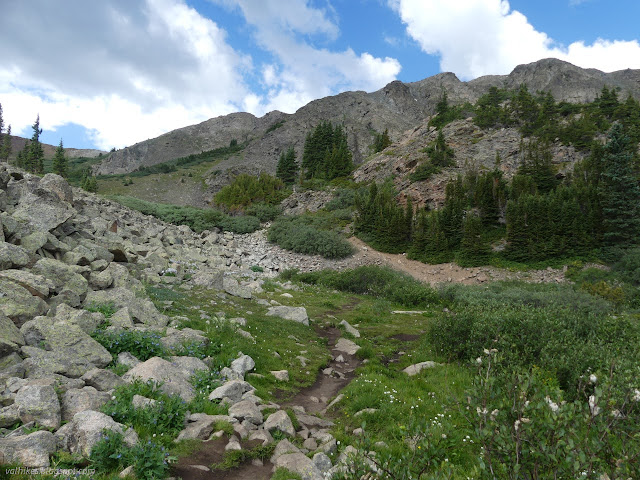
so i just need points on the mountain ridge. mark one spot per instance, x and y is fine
(397, 107)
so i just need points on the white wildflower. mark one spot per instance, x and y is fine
(595, 409)
(494, 414)
(552, 405)
(479, 360)
(516, 425)
(593, 378)
(636, 395)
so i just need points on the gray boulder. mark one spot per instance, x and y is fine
(280, 421)
(350, 329)
(63, 276)
(102, 380)
(10, 337)
(416, 368)
(299, 463)
(31, 450)
(232, 287)
(140, 309)
(87, 321)
(242, 365)
(85, 430)
(18, 304)
(77, 400)
(36, 284)
(233, 390)
(9, 416)
(39, 403)
(174, 380)
(212, 279)
(41, 363)
(177, 338)
(346, 346)
(42, 209)
(246, 410)
(12, 256)
(296, 314)
(67, 339)
(57, 185)
(188, 365)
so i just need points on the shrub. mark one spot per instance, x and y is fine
(292, 234)
(143, 345)
(164, 419)
(247, 189)
(241, 224)
(424, 172)
(263, 211)
(343, 198)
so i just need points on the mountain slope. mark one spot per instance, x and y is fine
(397, 107)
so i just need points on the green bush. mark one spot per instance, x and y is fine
(246, 190)
(263, 211)
(424, 172)
(293, 234)
(163, 420)
(343, 198)
(141, 344)
(198, 219)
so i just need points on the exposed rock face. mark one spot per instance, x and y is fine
(397, 107)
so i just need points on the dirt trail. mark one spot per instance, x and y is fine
(314, 399)
(446, 272)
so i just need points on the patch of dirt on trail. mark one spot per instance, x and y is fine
(210, 452)
(315, 398)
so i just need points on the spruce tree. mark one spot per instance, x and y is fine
(619, 191)
(381, 141)
(287, 169)
(59, 164)
(474, 251)
(440, 154)
(34, 161)
(5, 147)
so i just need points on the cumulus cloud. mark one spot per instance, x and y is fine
(304, 71)
(125, 70)
(481, 37)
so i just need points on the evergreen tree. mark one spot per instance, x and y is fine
(34, 159)
(326, 154)
(287, 169)
(5, 147)
(90, 184)
(525, 111)
(619, 191)
(474, 251)
(537, 164)
(440, 154)
(59, 164)
(1, 128)
(381, 141)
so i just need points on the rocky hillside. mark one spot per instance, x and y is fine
(398, 107)
(17, 144)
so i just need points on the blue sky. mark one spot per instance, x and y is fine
(115, 72)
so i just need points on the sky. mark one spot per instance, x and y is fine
(110, 73)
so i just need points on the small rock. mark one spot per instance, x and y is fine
(281, 375)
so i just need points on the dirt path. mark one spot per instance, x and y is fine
(314, 399)
(447, 272)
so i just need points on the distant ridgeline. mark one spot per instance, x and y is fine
(597, 205)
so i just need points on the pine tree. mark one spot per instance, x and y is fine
(440, 154)
(287, 169)
(619, 191)
(381, 141)
(1, 128)
(34, 161)
(474, 251)
(5, 147)
(60, 161)
(537, 164)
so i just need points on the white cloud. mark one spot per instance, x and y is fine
(303, 71)
(126, 71)
(482, 37)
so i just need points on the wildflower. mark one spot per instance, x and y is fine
(593, 378)
(516, 425)
(595, 409)
(636, 395)
(494, 414)
(552, 405)
(479, 360)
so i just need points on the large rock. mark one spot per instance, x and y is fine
(57, 185)
(77, 400)
(209, 279)
(39, 403)
(232, 287)
(346, 346)
(28, 450)
(140, 309)
(63, 276)
(296, 314)
(43, 209)
(280, 421)
(189, 365)
(67, 339)
(175, 339)
(233, 390)
(12, 256)
(242, 365)
(87, 321)
(86, 429)
(174, 380)
(41, 363)
(102, 380)
(18, 304)
(9, 416)
(350, 329)
(246, 410)
(416, 368)
(10, 337)
(35, 284)
(201, 430)
(299, 463)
